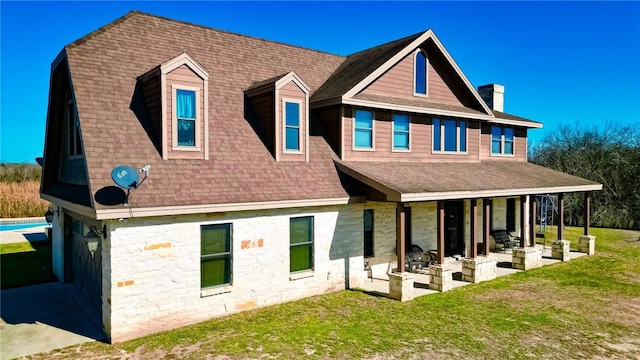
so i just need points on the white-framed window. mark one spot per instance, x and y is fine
(186, 118)
(449, 136)
(401, 137)
(300, 243)
(501, 140)
(74, 142)
(215, 255)
(420, 73)
(292, 116)
(363, 129)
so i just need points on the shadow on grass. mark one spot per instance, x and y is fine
(28, 267)
(371, 292)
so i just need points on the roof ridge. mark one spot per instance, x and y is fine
(138, 12)
(388, 43)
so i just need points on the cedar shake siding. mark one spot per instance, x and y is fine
(399, 82)
(290, 92)
(519, 145)
(183, 77)
(421, 140)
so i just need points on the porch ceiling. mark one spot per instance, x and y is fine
(411, 181)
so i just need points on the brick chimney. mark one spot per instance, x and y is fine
(493, 95)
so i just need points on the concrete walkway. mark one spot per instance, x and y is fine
(41, 318)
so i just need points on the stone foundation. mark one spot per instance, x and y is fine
(401, 286)
(482, 268)
(588, 244)
(560, 250)
(440, 277)
(526, 258)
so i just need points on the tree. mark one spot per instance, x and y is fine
(609, 155)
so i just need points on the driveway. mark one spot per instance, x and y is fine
(41, 318)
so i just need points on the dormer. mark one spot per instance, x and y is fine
(281, 105)
(182, 84)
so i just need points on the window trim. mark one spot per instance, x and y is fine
(220, 288)
(393, 132)
(284, 125)
(373, 132)
(75, 127)
(442, 137)
(426, 73)
(503, 141)
(174, 119)
(302, 273)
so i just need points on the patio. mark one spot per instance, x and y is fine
(379, 284)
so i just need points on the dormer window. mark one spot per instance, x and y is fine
(75, 145)
(420, 73)
(185, 121)
(292, 126)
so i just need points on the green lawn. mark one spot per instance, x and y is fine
(584, 308)
(25, 263)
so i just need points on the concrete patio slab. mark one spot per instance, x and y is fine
(41, 318)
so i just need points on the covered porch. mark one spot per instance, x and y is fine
(459, 222)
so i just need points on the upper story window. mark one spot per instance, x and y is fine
(215, 255)
(291, 126)
(301, 243)
(420, 73)
(501, 140)
(449, 135)
(363, 129)
(401, 132)
(75, 145)
(185, 117)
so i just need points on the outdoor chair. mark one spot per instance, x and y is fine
(416, 259)
(504, 238)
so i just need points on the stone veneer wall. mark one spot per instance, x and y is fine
(479, 269)
(151, 266)
(526, 258)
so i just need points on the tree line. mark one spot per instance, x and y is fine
(18, 173)
(608, 154)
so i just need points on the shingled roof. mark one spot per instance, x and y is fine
(104, 66)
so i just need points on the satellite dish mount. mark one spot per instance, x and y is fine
(127, 178)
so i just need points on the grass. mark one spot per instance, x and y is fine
(21, 199)
(25, 264)
(585, 308)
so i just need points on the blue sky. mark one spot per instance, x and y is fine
(560, 62)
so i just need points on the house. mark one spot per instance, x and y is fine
(275, 172)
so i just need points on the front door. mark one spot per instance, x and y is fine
(453, 228)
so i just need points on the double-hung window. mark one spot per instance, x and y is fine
(301, 243)
(501, 140)
(363, 129)
(449, 135)
(75, 145)
(215, 255)
(291, 126)
(401, 132)
(420, 73)
(186, 117)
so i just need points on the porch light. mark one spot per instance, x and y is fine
(48, 216)
(94, 238)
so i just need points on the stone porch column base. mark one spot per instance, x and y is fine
(526, 258)
(482, 268)
(560, 250)
(588, 244)
(401, 286)
(440, 277)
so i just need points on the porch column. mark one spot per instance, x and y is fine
(533, 212)
(473, 213)
(440, 258)
(560, 215)
(587, 212)
(400, 229)
(524, 234)
(486, 221)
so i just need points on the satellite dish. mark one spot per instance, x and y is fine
(125, 176)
